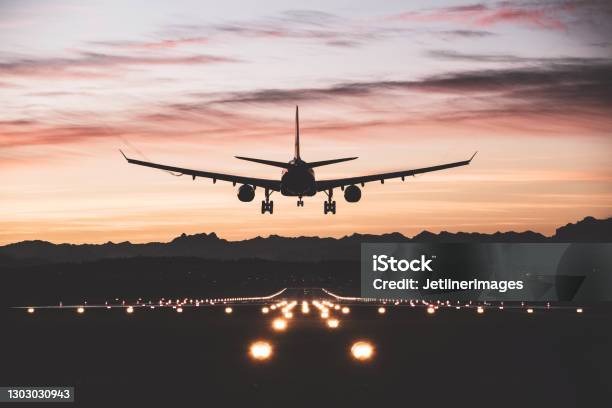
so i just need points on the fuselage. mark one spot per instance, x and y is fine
(298, 180)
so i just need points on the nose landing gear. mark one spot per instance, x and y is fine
(267, 205)
(300, 202)
(329, 205)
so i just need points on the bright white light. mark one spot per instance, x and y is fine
(279, 324)
(345, 310)
(228, 310)
(431, 310)
(579, 310)
(530, 310)
(130, 310)
(480, 310)
(288, 315)
(80, 310)
(30, 310)
(382, 310)
(362, 350)
(179, 310)
(265, 310)
(260, 350)
(333, 323)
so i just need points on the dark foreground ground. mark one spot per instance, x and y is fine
(158, 357)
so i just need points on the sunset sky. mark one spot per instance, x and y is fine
(527, 84)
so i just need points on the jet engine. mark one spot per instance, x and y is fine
(246, 193)
(352, 194)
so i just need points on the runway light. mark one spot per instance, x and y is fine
(130, 310)
(80, 310)
(324, 314)
(333, 323)
(265, 310)
(30, 310)
(579, 310)
(260, 350)
(279, 324)
(337, 307)
(228, 310)
(382, 310)
(362, 351)
(530, 310)
(288, 315)
(480, 310)
(179, 310)
(345, 310)
(431, 310)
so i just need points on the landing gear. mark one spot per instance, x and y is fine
(300, 202)
(329, 205)
(267, 205)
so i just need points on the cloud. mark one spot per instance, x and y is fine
(558, 94)
(553, 79)
(153, 45)
(89, 65)
(543, 15)
(466, 33)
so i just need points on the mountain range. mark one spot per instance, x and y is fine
(277, 248)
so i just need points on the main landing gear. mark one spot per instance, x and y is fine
(329, 205)
(267, 205)
(300, 202)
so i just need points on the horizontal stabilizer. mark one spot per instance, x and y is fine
(266, 162)
(326, 162)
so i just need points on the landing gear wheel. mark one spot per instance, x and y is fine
(300, 203)
(329, 206)
(267, 206)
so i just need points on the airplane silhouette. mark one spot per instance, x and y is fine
(298, 178)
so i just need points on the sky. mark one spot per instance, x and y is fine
(528, 84)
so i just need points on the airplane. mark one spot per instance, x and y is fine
(298, 178)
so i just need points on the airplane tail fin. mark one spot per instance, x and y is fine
(297, 133)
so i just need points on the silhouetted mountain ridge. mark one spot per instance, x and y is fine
(278, 248)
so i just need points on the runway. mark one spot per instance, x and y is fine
(550, 356)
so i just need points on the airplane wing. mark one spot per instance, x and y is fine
(273, 185)
(324, 185)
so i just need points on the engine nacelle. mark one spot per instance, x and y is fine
(352, 194)
(246, 193)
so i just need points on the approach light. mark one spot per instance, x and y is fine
(333, 323)
(260, 350)
(362, 350)
(279, 324)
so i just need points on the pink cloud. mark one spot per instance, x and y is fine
(480, 15)
(90, 65)
(155, 45)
